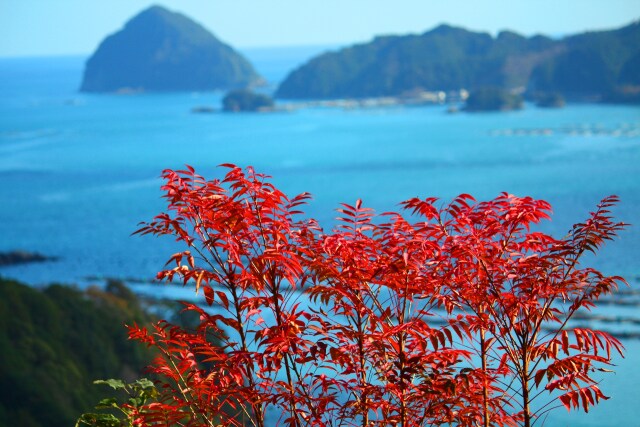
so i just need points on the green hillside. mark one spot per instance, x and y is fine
(55, 342)
(584, 66)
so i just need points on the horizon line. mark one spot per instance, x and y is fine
(336, 44)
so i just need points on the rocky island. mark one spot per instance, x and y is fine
(244, 100)
(493, 99)
(159, 50)
(585, 67)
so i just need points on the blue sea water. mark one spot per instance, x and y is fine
(79, 172)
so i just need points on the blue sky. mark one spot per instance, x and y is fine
(62, 27)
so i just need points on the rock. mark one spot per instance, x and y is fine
(493, 99)
(244, 100)
(22, 257)
(159, 50)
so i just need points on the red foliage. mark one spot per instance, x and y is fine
(460, 317)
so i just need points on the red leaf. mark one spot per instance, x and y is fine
(208, 295)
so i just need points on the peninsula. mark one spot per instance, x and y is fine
(592, 66)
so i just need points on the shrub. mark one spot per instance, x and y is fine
(456, 315)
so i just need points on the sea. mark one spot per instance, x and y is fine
(79, 172)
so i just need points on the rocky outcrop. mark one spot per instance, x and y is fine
(22, 257)
(244, 100)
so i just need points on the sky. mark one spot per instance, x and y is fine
(71, 27)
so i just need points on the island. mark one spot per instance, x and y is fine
(160, 50)
(493, 99)
(245, 100)
(590, 66)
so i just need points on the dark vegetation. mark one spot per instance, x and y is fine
(55, 342)
(624, 95)
(159, 50)
(592, 66)
(245, 100)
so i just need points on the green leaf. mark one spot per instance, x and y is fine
(110, 402)
(98, 420)
(145, 389)
(136, 402)
(114, 384)
(144, 383)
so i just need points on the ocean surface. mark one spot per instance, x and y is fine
(79, 172)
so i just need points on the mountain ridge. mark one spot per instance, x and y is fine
(451, 58)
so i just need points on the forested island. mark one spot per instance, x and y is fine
(591, 66)
(160, 50)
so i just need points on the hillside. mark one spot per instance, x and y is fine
(591, 64)
(55, 342)
(588, 65)
(159, 50)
